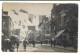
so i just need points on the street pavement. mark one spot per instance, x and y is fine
(44, 48)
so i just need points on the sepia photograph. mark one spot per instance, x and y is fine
(39, 0)
(39, 27)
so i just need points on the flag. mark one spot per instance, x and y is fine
(23, 11)
(31, 28)
(35, 17)
(19, 23)
(25, 21)
(46, 19)
(31, 17)
(15, 21)
(22, 32)
(40, 24)
(15, 12)
(23, 26)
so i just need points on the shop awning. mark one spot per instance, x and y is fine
(59, 33)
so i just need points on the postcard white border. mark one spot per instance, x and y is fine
(41, 53)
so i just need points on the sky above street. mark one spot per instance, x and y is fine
(32, 8)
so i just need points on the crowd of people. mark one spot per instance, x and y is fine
(10, 44)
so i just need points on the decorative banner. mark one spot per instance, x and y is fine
(31, 28)
(23, 11)
(15, 12)
(31, 17)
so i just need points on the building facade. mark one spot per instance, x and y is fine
(65, 17)
(44, 26)
(6, 24)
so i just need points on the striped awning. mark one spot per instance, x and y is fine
(59, 33)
